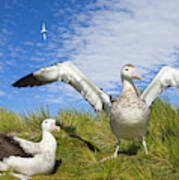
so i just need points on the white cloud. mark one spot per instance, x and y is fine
(3, 36)
(1, 66)
(2, 93)
(29, 43)
(120, 32)
(117, 37)
(60, 92)
(115, 33)
(37, 58)
(16, 51)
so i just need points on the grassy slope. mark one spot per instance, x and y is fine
(83, 141)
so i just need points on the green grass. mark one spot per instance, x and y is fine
(85, 139)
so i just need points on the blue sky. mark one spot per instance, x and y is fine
(98, 36)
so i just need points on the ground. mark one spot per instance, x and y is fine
(85, 139)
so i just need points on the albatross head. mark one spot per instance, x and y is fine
(128, 72)
(50, 125)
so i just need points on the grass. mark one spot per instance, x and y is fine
(85, 139)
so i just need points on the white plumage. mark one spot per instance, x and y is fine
(70, 74)
(167, 77)
(44, 31)
(43, 153)
(128, 114)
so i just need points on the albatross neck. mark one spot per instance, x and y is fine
(47, 137)
(128, 87)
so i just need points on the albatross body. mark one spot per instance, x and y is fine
(27, 157)
(129, 114)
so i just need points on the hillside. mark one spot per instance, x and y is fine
(85, 139)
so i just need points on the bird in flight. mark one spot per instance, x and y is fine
(44, 31)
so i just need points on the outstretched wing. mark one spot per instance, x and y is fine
(167, 77)
(69, 73)
(43, 26)
(44, 36)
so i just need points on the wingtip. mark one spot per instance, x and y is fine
(16, 84)
(13, 85)
(22, 82)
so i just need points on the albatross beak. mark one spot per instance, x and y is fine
(56, 128)
(135, 76)
(138, 77)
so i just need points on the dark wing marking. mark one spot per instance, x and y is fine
(10, 147)
(43, 76)
(29, 80)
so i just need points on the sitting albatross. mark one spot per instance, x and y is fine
(128, 114)
(27, 157)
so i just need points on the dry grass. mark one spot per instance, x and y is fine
(85, 139)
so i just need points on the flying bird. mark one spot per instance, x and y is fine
(27, 157)
(129, 114)
(44, 31)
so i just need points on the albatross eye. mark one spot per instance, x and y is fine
(126, 69)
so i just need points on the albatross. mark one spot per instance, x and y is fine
(129, 114)
(44, 31)
(26, 157)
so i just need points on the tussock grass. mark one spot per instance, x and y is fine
(10, 122)
(85, 139)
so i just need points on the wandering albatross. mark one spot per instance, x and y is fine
(27, 157)
(128, 114)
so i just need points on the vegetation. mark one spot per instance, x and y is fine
(85, 139)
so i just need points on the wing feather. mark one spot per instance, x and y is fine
(167, 77)
(28, 146)
(10, 147)
(69, 73)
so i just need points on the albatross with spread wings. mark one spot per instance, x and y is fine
(129, 114)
